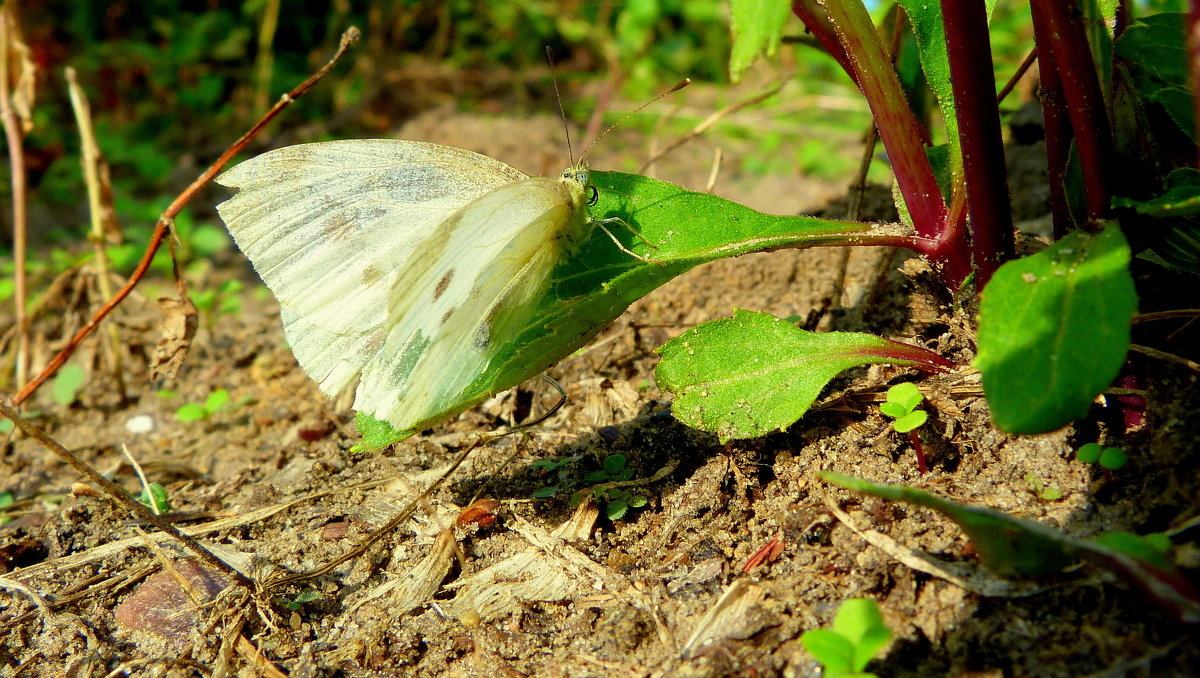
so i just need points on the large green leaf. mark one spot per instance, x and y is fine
(752, 374)
(599, 281)
(1054, 330)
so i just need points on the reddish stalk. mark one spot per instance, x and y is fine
(164, 222)
(1062, 33)
(969, 51)
(1057, 127)
(901, 133)
(915, 439)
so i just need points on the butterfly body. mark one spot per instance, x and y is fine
(401, 264)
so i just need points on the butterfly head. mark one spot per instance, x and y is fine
(582, 177)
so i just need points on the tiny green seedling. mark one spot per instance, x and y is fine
(301, 598)
(67, 384)
(225, 300)
(901, 405)
(614, 471)
(155, 496)
(1109, 458)
(216, 401)
(6, 500)
(845, 650)
(1043, 490)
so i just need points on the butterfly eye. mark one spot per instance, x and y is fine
(593, 195)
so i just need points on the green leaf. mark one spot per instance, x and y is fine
(893, 410)
(855, 618)
(1180, 197)
(929, 30)
(1113, 458)
(614, 463)
(1176, 236)
(545, 493)
(597, 282)
(1054, 330)
(1089, 453)
(757, 27)
(638, 500)
(155, 496)
(191, 412)
(67, 383)
(6, 500)
(871, 641)
(615, 510)
(216, 400)
(1155, 48)
(907, 395)
(752, 374)
(1137, 546)
(1008, 546)
(834, 651)
(910, 421)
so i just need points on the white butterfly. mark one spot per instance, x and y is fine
(401, 263)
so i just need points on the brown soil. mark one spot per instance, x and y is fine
(545, 590)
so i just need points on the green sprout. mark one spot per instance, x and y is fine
(601, 484)
(155, 496)
(1044, 491)
(858, 633)
(1109, 458)
(67, 383)
(902, 401)
(301, 598)
(216, 401)
(6, 501)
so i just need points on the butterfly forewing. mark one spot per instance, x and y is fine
(402, 263)
(328, 225)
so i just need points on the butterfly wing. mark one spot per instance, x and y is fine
(480, 274)
(398, 262)
(330, 226)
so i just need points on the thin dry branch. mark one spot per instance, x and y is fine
(161, 228)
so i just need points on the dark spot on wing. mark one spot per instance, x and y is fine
(371, 275)
(446, 317)
(443, 284)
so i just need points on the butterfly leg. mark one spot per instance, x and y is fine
(602, 223)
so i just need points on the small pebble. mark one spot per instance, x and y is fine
(142, 423)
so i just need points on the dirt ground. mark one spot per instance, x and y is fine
(524, 587)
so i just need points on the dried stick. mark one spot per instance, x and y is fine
(15, 136)
(712, 120)
(122, 497)
(92, 160)
(160, 229)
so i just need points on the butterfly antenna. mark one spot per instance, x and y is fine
(558, 97)
(678, 86)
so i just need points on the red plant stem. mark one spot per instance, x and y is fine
(1057, 126)
(1064, 35)
(1193, 44)
(969, 50)
(900, 132)
(915, 439)
(164, 222)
